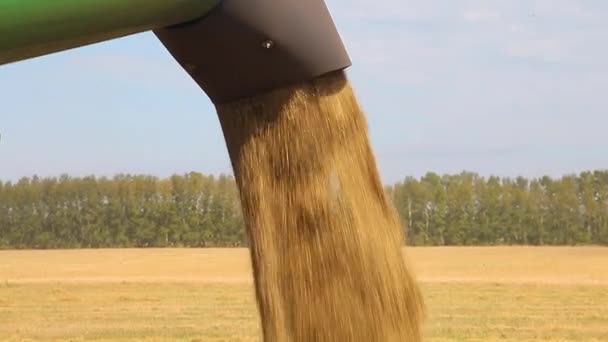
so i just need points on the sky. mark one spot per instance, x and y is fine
(502, 87)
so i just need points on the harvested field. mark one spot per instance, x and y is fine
(473, 294)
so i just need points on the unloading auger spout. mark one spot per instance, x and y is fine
(231, 48)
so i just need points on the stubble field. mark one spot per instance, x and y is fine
(472, 294)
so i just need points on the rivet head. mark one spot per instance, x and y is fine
(268, 44)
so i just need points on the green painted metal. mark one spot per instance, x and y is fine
(32, 28)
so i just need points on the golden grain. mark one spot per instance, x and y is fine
(325, 243)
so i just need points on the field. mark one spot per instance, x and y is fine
(473, 294)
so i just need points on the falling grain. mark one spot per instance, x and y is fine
(324, 241)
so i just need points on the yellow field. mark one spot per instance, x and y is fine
(473, 294)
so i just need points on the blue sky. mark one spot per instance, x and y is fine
(513, 87)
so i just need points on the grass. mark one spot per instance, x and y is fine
(473, 294)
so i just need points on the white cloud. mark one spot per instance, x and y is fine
(481, 16)
(569, 10)
(365, 10)
(546, 50)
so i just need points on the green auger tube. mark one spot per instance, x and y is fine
(32, 28)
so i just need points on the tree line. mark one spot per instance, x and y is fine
(125, 211)
(467, 209)
(196, 210)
